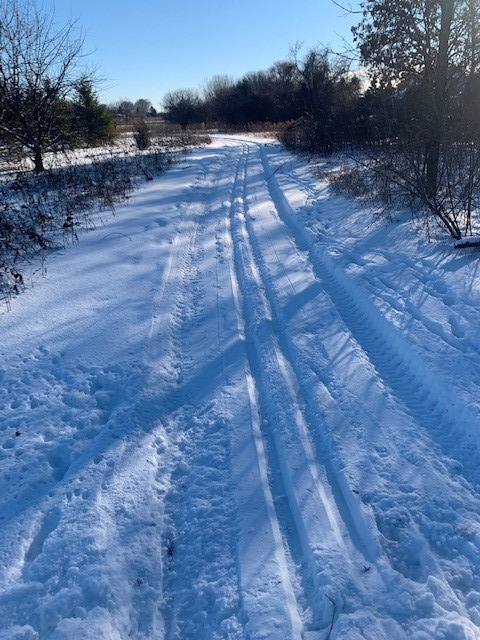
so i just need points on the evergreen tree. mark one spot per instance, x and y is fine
(92, 122)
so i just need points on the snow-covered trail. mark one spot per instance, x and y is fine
(233, 412)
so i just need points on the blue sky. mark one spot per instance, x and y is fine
(144, 49)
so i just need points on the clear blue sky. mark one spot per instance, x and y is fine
(146, 48)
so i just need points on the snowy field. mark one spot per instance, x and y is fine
(243, 409)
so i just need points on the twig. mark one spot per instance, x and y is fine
(117, 233)
(333, 616)
(347, 10)
(277, 169)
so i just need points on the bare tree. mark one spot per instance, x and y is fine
(325, 92)
(126, 108)
(40, 67)
(427, 51)
(142, 107)
(183, 107)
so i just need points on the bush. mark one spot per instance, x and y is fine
(393, 177)
(141, 135)
(305, 135)
(39, 212)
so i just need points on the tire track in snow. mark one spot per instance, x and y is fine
(405, 307)
(375, 332)
(200, 583)
(397, 363)
(391, 297)
(403, 373)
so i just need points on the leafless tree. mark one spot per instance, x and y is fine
(125, 108)
(40, 67)
(183, 107)
(142, 107)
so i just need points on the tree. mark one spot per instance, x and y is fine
(325, 93)
(92, 122)
(183, 107)
(427, 52)
(142, 107)
(422, 44)
(126, 108)
(285, 91)
(39, 72)
(218, 98)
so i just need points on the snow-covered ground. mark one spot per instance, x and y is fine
(242, 409)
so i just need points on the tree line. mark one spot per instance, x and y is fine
(416, 122)
(313, 87)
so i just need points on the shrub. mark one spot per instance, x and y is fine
(141, 135)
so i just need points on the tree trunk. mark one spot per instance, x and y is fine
(440, 97)
(433, 161)
(38, 159)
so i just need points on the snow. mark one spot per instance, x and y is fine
(243, 408)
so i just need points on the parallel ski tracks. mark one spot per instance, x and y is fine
(328, 550)
(312, 523)
(287, 584)
(313, 396)
(279, 578)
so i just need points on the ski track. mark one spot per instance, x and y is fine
(245, 475)
(208, 442)
(400, 375)
(292, 458)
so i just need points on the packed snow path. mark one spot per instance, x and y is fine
(237, 410)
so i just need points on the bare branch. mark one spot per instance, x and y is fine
(347, 10)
